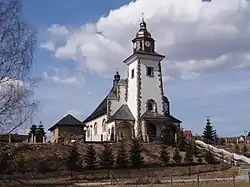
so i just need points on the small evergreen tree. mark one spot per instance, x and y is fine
(122, 156)
(107, 157)
(208, 133)
(164, 156)
(245, 149)
(189, 157)
(136, 159)
(196, 151)
(216, 137)
(209, 158)
(200, 160)
(181, 140)
(177, 156)
(90, 157)
(74, 162)
(237, 148)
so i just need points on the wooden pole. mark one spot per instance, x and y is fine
(171, 179)
(198, 179)
(234, 180)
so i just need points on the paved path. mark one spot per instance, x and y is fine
(163, 181)
(243, 174)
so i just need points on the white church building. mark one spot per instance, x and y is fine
(135, 106)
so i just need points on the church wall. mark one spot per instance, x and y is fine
(110, 125)
(54, 135)
(116, 104)
(132, 88)
(150, 86)
(96, 136)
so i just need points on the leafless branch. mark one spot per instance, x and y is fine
(17, 43)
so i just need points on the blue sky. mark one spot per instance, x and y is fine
(82, 42)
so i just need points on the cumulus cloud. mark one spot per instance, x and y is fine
(59, 29)
(49, 45)
(196, 37)
(63, 78)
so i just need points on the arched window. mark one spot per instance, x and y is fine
(95, 128)
(151, 105)
(88, 132)
(103, 125)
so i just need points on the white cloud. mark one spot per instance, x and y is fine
(196, 37)
(49, 45)
(63, 78)
(57, 29)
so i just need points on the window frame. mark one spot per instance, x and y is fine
(151, 70)
(132, 73)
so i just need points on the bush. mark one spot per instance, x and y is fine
(122, 156)
(177, 156)
(136, 158)
(164, 156)
(106, 157)
(90, 157)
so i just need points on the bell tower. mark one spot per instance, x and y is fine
(145, 87)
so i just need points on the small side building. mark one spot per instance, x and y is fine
(13, 138)
(67, 125)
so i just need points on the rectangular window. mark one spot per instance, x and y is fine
(132, 73)
(150, 71)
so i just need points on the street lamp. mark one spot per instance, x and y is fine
(245, 131)
(91, 126)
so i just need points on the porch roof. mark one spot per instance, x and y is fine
(123, 113)
(153, 115)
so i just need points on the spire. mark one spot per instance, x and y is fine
(116, 78)
(143, 25)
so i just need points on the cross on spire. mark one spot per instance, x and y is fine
(142, 16)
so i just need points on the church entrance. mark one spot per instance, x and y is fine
(124, 131)
(151, 129)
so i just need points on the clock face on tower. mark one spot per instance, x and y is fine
(147, 43)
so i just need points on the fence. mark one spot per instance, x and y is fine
(173, 182)
(200, 176)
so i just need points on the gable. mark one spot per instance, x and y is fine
(123, 113)
(65, 121)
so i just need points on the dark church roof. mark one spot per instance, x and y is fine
(67, 120)
(173, 119)
(101, 109)
(165, 99)
(123, 113)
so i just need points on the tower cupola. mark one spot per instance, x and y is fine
(143, 42)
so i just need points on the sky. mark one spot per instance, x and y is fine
(81, 43)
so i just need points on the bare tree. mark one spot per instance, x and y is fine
(17, 43)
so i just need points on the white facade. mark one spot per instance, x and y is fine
(136, 106)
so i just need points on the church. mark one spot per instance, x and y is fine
(135, 106)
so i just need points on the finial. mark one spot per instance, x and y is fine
(142, 16)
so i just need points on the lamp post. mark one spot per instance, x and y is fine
(91, 126)
(245, 131)
(84, 133)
